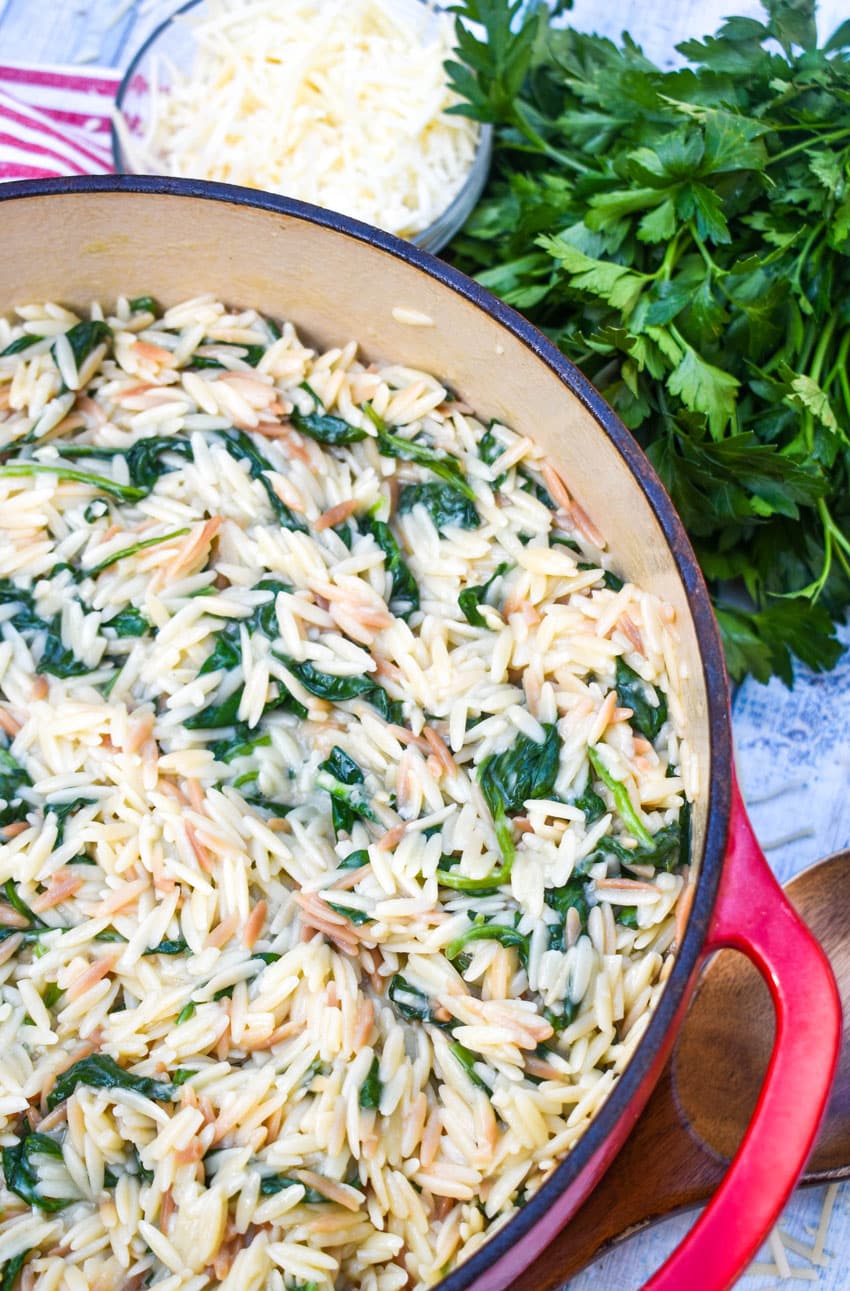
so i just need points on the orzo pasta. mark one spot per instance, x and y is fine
(344, 800)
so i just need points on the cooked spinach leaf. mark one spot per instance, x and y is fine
(409, 1002)
(266, 956)
(444, 504)
(52, 994)
(181, 1074)
(57, 659)
(467, 1060)
(240, 446)
(26, 617)
(668, 850)
(21, 1172)
(627, 916)
(342, 778)
(278, 809)
(250, 354)
(132, 549)
(532, 486)
(489, 447)
(99, 482)
(13, 777)
(62, 810)
(447, 877)
(326, 429)
(188, 1011)
(71, 448)
(353, 915)
(490, 932)
(572, 896)
(471, 597)
(143, 305)
(591, 803)
(404, 593)
(20, 906)
(228, 652)
(558, 539)
(95, 510)
(35, 926)
(621, 797)
(225, 713)
(354, 860)
(392, 710)
(141, 1171)
(129, 623)
(147, 459)
(239, 745)
(201, 363)
(526, 770)
(559, 1021)
(12, 1268)
(325, 685)
(409, 450)
(18, 346)
(216, 715)
(85, 337)
(99, 1071)
(635, 693)
(176, 946)
(345, 532)
(272, 1184)
(370, 1090)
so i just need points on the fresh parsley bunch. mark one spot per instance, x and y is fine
(684, 237)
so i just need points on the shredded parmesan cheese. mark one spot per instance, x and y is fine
(341, 103)
(779, 1243)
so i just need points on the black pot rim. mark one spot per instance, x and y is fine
(659, 1032)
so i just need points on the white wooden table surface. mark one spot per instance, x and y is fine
(793, 747)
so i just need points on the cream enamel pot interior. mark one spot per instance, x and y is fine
(75, 240)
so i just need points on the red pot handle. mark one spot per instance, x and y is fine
(753, 915)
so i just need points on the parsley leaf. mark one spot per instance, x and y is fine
(683, 236)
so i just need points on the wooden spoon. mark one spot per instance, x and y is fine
(679, 1150)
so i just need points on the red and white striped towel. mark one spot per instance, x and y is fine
(55, 120)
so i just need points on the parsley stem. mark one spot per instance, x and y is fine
(703, 249)
(540, 143)
(806, 143)
(839, 367)
(835, 542)
(822, 347)
(832, 528)
(796, 285)
(671, 255)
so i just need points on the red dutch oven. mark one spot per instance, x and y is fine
(98, 237)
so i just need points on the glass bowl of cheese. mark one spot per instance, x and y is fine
(344, 104)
